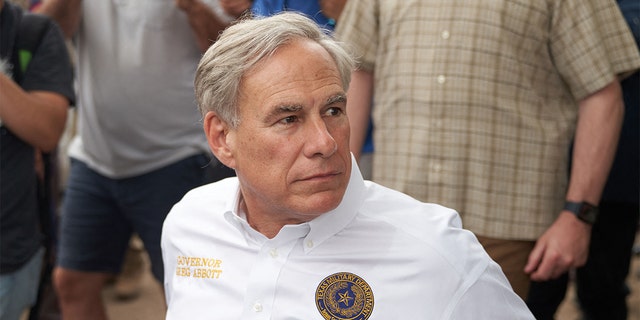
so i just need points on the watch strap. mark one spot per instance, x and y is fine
(585, 211)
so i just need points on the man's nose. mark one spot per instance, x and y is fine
(319, 141)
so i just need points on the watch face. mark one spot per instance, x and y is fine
(583, 210)
(588, 213)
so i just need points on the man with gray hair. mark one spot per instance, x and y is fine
(298, 234)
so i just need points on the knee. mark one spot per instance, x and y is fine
(73, 285)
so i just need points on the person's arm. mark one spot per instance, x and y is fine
(64, 12)
(477, 299)
(332, 8)
(205, 24)
(37, 117)
(359, 99)
(566, 243)
(235, 8)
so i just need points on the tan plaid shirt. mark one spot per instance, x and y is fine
(476, 101)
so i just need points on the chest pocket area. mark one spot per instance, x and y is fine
(149, 14)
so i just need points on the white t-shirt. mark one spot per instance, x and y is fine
(379, 255)
(136, 62)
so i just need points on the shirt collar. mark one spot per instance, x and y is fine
(320, 228)
(334, 221)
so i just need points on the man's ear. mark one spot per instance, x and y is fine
(217, 132)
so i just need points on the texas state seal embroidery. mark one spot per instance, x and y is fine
(344, 295)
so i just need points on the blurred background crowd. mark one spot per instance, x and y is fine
(522, 115)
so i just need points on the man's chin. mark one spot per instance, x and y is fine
(321, 202)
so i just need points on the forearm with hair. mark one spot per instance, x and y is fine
(599, 122)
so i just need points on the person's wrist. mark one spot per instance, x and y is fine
(584, 211)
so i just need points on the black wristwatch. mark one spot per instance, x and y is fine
(583, 210)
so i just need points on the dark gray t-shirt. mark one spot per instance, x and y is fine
(49, 70)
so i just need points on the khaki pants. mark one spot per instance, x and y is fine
(512, 256)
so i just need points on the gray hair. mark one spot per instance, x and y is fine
(242, 45)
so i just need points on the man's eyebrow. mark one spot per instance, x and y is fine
(340, 97)
(285, 108)
(291, 108)
(282, 109)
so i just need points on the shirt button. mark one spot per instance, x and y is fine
(257, 307)
(309, 244)
(445, 34)
(441, 79)
(436, 167)
(273, 252)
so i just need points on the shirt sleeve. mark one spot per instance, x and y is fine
(358, 28)
(50, 68)
(590, 45)
(490, 289)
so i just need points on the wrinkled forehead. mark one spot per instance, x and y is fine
(293, 66)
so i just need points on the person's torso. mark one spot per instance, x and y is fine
(136, 64)
(381, 263)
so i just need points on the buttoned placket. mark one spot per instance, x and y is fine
(435, 165)
(263, 278)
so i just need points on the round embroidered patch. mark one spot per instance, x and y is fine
(344, 295)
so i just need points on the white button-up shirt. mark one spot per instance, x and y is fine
(379, 255)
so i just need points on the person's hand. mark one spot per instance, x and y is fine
(204, 22)
(563, 246)
(235, 7)
(185, 4)
(332, 8)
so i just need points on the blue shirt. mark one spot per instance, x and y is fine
(310, 8)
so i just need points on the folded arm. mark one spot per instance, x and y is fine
(37, 117)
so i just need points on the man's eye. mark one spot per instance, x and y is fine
(289, 119)
(334, 111)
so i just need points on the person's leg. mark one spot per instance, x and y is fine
(129, 281)
(600, 285)
(93, 238)
(512, 256)
(152, 195)
(80, 293)
(545, 297)
(19, 289)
